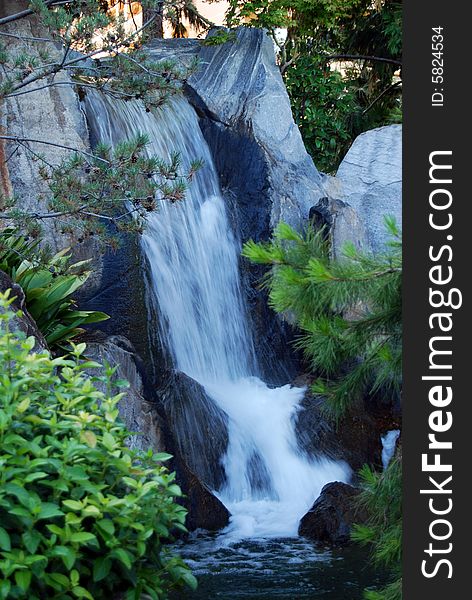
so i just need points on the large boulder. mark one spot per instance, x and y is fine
(370, 180)
(354, 439)
(331, 517)
(205, 510)
(257, 146)
(198, 426)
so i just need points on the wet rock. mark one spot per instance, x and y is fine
(140, 416)
(355, 439)
(331, 517)
(205, 510)
(199, 428)
(371, 180)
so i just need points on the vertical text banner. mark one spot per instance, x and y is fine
(437, 231)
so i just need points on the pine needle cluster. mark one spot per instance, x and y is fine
(104, 194)
(348, 311)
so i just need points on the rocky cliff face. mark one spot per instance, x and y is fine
(50, 113)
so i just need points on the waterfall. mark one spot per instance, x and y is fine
(193, 256)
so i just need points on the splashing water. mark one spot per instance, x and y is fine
(193, 256)
(389, 444)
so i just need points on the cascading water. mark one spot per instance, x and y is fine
(193, 256)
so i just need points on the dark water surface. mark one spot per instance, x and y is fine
(281, 569)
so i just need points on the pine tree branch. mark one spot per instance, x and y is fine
(63, 65)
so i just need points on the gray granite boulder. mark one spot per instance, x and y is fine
(370, 180)
(239, 88)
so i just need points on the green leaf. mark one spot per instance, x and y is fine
(73, 504)
(68, 555)
(190, 580)
(31, 540)
(23, 579)
(123, 557)
(101, 568)
(81, 592)
(107, 526)
(83, 537)
(61, 579)
(5, 543)
(49, 510)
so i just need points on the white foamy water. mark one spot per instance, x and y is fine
(193, 256)
(389, 444)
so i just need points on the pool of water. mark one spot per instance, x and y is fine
(280, 569)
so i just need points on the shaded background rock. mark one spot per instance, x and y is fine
(25, 323)
(342, 225)
(355, 439)
(139, 415)
(331, 517)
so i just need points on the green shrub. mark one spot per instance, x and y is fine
(81, 515)
(48, 284)
(324, 107)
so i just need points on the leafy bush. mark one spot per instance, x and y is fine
(81, 515)
(48, 284)
(324, 107)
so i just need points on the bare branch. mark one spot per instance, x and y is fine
(15, 138)
(381, 95)
(390, 61)
(108, 91)
(26, 38)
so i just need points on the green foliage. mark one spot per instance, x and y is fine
(348, 310)
(330, 109)
(324, 106)
(382, 499)
(82, 516)
(87, 26)
(48, 283)
(98, 196)
(221, 36)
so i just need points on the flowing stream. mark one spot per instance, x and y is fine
(193, 256)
